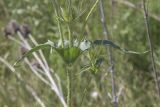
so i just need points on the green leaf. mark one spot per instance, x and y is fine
(41, 46)
(110, 43)
(106, 42)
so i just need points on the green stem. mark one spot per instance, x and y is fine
(68, 87)
(86, 20)
(91, 10)
(69, 10)
(69, 21)
(55, 5)
(61, 34)
(69, 35)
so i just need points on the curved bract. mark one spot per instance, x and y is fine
(70, 53)
(110, 43)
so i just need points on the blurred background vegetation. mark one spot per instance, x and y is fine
(134, 76)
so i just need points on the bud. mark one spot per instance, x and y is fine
(15, 25)
(11, 28)
(25, 30)
(8, 31)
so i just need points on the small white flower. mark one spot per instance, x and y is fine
(85, 45)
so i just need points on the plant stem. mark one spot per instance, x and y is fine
(69, 10)
(69, 77)
(86, 20)
(106, 34)
(151, 46)
(69, 21)
(60, 31)
(40, 51)
(55, 5)
(69, 35)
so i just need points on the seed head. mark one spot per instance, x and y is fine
(8, 31)
(15, 25)
(25, 30)
(11, 28)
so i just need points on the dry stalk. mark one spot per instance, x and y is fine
(112, 71)
(150, 43)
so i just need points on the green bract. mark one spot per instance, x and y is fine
(70, 53)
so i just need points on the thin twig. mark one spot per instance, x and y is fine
(36, 73)
(149, 35)
(15, 40)
(40, 51)
(7, 64)
(106, 34)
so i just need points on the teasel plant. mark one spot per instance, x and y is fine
(70, 48)
(40, 67)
